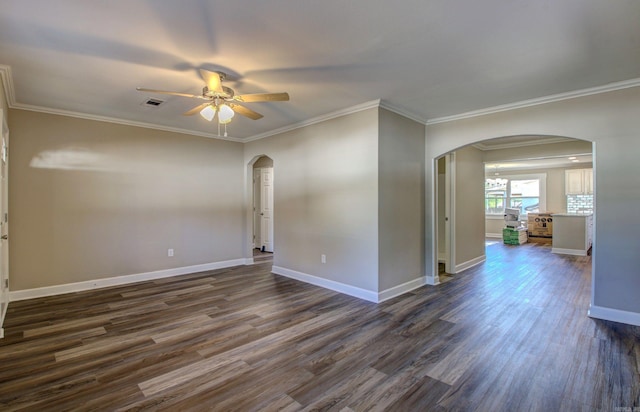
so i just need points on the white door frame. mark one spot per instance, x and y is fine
(255, 205)
(449, 208)
(4, 213)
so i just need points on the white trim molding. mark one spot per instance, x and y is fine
(118, 280)
(614, 315)
(493, 235)
(354, 291)
(402, 289)
(97, 118)
(469, 264)
(318, 119)
(574, 252)
(432, 280)
(368, 295)
(627, 84)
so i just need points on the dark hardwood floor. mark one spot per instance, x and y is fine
(508, 335)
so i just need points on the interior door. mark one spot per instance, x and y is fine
(4, 221)
(266, 208)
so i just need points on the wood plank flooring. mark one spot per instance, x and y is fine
(508, 335)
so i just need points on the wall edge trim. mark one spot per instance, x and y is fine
(626, 84)
(470, 263)
(614, 315)
(402, 289)
(118, 280)
(327, 284)
(318, 119)
(574, 252)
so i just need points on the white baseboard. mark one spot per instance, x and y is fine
(432, 280)
(354, 291)
(493, 235)
(119, 280)
(469, 264)
(1, 333)
(402, 289)
(575, 252)
(614, 315)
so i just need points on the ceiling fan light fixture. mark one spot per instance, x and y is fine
(208, 112)
(225, 114)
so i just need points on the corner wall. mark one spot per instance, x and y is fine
(400, 200)
(92, 200)
(326, 201)
(469, 208)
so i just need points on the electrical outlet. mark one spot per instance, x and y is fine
(323, 258)
(170, 252)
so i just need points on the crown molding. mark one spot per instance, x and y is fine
(318, 119)
(107, 119)
(626, 84)
(397, 110)
(7, 82)
(532, 142)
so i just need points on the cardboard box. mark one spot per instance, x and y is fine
(540, 224)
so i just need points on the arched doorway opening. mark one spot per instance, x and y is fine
(262, 208)
(463, 218)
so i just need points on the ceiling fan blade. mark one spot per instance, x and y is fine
(196, 109)
(262, 97)
(142, 89)
(213, 81)
(245, 111)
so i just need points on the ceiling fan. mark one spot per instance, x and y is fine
(221, 101)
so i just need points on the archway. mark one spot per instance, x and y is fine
(260, 213)
(533, 152)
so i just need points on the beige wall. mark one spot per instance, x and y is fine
(400, 200)
(469, 205)
(91, 200)
(611, 121)
(326, 198)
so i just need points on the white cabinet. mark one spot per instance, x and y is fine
(578, 181)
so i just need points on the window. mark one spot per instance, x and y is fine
(524, 192)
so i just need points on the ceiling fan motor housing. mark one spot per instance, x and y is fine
(227, 93)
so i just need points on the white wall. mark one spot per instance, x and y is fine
(92, 200)
(469, 207)
(326, 198)
(611, 121)
(400, 200)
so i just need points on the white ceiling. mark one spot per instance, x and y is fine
(424, 58)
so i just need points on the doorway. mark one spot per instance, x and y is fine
(524, 158)
(445, 201)
(262, 209)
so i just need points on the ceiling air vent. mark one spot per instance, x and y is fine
(152, 102)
